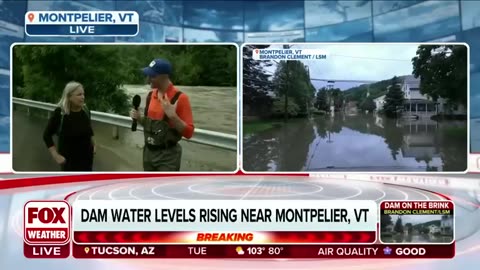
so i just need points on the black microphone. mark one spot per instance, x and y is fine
(135, 102)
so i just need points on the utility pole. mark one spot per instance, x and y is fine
(286, 47)
(307, 97)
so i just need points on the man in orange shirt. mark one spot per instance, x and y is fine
(167, 118)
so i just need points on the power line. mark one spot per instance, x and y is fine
(372, 58)
(330, 80)
(343, 80)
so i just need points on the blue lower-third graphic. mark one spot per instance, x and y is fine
(81, 29)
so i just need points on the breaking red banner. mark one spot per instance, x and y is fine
(222, 237)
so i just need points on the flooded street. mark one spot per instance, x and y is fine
(358, 143)
(475, 135)
(417, 238)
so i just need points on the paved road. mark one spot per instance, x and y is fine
(251, 187)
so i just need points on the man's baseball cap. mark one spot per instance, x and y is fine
(157, 67)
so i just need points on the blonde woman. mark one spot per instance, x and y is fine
(72, 124)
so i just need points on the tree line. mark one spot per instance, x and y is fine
(326, 99)
(40, 72)
(285, 91)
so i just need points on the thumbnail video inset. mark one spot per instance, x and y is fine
(83, 107)
(417, 222)
(355, 107)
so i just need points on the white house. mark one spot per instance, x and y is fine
(446, 224)
(433, 229)
(379, 102)
(415, 102)
(389, 228)
(418, 104)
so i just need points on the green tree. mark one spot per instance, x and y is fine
(368, 105)
(214, 64)
(46, 70)
(41, 71)
(385, 220)
(398, 225)
(17, 76)
(375, 90)
(202, 65)
(443, 71)
(278, 108)
(293, 80)
(321, 102)
(256, 82)
(393, 99)
(409, 227)
(336, 98)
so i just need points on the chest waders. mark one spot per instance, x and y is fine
(162, 151)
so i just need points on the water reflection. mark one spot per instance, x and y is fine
(475, 135)
(359, 143)
(417, 238)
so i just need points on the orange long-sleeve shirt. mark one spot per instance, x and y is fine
(184, 110)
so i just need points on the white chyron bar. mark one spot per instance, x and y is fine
(228, 215)
(289, 54)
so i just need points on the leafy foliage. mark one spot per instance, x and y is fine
(443, 71)
(321, 101)
(291, 79)
(46, 70)
(393, 99)
(41, 71)
(368, 105)
(386, 220)
(398, 226)
(377, 89)
(338, 97)
(266, 94)
(278, 107)
(256, 82)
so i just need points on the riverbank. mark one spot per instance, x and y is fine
(256, 126)
(456, 133)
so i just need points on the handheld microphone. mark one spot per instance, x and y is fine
(135, 102)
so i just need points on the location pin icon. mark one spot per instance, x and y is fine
(31, 16)
(256, 51)
(87, 250)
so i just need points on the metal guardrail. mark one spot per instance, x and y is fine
(201, 136)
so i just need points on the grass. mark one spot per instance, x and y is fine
(259, 126)
(456, 132)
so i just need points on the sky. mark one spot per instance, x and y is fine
(416, 219)
(358, 62)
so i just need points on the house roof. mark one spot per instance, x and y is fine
(412, 82)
